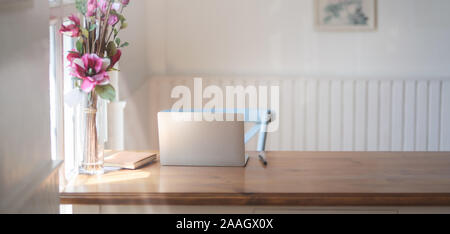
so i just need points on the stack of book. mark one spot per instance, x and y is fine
(130, 160)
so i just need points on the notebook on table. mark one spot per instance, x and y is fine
(130, 160)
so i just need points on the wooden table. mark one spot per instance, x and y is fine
(290, 179)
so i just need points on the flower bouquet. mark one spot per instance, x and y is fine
(98, 49)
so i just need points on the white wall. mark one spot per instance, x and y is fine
(134, 75)
(24, 94)
(133, 65)
(277, 37)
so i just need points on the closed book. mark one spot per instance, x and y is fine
(130, 160)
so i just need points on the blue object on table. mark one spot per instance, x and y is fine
(261, 118)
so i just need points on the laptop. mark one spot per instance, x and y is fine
(185, 142)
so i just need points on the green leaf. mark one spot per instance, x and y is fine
(81, 6)
(121, 18)
(112, 69)
(85, 32)
(106, 92)
(79, 46)
(124, 25)
(111, 49)
(118, 42)
(125, 44)
(93, 27)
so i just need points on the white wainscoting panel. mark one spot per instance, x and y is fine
(341, 114)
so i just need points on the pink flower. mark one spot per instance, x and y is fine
(75, 19)
(115, 58)
(92, 70)
(115, 6)
(91, 8)
(104, 6)
(125, 2)
(113, 19)
(71, 30)
(72, 56)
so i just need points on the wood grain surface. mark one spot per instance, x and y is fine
(290, 179)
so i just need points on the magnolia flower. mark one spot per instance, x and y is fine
(72, 56)
(91, 8)
(113, 19)
(104, 6)
(125, 2)
(75, 19)
(115, 6)
(91, 69)
(72, 30)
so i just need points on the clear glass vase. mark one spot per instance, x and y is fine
(92, 134)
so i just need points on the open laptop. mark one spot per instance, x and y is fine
(185, 142)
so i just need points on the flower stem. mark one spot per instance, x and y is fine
(100, 52)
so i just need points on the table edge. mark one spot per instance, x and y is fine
(259, 199)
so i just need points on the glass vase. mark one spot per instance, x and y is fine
(92, 134)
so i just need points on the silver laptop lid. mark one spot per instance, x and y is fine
(186, 142)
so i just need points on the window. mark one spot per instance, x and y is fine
(62, 116)
(53, 89)
(69, 113)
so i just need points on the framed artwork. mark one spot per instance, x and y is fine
(346, 15)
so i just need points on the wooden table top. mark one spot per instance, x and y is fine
(291, 179)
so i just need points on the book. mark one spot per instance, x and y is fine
(130, 160)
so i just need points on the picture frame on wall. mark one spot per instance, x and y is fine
(345, 15)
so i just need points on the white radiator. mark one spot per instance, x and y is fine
(341, 114)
